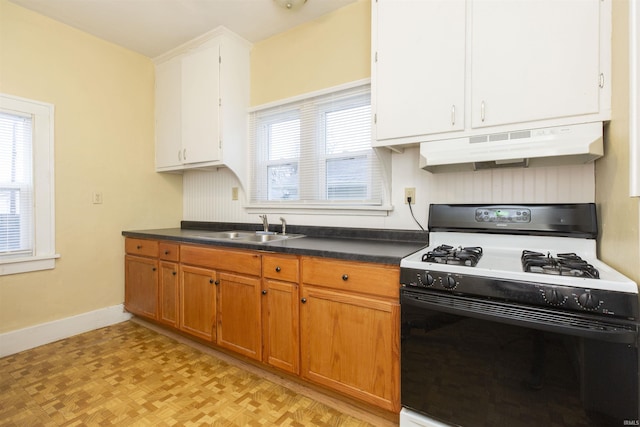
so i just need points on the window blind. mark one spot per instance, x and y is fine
(315, 150)
(16, 184)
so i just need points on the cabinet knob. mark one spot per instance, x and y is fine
(303, 300)
(345, 277)
(139, 247)
(217, 282)
(278, 269)
(166, 252)
(211, 281)
(153, 269)
(174, 272)
(264, 292)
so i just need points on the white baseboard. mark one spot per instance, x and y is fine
(34, 336)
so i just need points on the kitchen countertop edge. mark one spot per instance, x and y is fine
(381, 246)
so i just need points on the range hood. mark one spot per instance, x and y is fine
(573, 144)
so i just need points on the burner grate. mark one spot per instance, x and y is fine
(565, 264)
(445, 254)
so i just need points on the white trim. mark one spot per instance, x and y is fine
(308, 95)
(24, 265)
(44, 251)
(34, 336)
(634, 99)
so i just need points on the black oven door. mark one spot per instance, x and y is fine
(479, 363)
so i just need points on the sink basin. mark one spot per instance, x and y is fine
(222, 235)
(264, 238)
(243, 236)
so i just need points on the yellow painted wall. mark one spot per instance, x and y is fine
(619, 243)
(104, 141)
(326, 52)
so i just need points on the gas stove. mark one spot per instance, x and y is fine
(539, 255)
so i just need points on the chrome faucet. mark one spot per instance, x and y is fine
(284, 226)
(265, 223)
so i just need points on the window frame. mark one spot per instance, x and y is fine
(323, 207)
(44, 255)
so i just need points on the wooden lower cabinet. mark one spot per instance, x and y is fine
(280, 325)
(168, 288)
(334, 323)
(350, 343)
(141, 286)
(239, 315)
(198, 295)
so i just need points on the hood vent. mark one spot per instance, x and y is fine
(561, 145)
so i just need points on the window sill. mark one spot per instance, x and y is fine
(319, 209)
(27, 264)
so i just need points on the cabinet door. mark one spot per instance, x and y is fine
(420, 67)
(168, 114)
(141, 286)
(280, 323)
(534, 60)
(200, 105)
(198, 302)
(168, 290)
(239, 315)
(351, 344)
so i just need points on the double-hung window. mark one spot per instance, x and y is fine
(26, 186)
(315, 152)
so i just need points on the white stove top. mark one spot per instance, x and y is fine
(501, 259)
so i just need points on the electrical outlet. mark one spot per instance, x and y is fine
(234, 193)
(96, 198)
(410, 192)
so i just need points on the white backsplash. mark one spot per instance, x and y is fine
(207, 194)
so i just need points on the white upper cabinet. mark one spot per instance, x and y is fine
(200, 105)
(202, 96)
(169, 114)
(534, 60)
(418, 67)
(455, 68)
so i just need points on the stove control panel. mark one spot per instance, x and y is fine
(503, 215)
(559, 297)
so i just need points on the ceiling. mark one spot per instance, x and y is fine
(152, 27)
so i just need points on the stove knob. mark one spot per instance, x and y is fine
(427, 279)
(449, 282)
(588, 301)
(553, 297)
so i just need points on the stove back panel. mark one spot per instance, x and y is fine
(576, 220)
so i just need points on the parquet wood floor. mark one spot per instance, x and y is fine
(128, 374)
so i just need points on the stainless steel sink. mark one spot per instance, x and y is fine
(264, 238)
(242, 236)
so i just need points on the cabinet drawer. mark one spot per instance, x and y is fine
(169, 251)
(221, 259)
(280, 268)
(374, 279)
(141, 247)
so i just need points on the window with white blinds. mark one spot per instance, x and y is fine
(16, 184)
(27, 223)
(315, 151)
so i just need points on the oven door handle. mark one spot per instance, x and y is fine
(574, 324)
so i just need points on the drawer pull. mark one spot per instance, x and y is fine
(345, 277)
(139, 247)
(278, 269)
(166, 252)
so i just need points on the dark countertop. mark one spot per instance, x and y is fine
(354, 244)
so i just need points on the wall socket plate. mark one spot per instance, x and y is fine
(410, 192)
(234, 193)
(96, 197)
